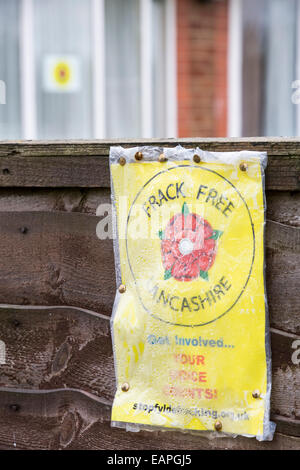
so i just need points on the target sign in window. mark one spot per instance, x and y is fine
(61, 74)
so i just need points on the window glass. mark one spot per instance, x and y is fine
(63, 68)
(269, 67)
(10, 112)
(159, 67)
(123, 90)
(47, 62)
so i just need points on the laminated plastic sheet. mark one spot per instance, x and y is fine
(190, 320)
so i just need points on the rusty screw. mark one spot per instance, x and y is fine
(125, 387)
(122, 161)
(218, 426)
(243, 166)
(24, 230)
(162, 158)
(196, 159)
(5, 171)
(256, 394)
(122, 289)
(138, 156)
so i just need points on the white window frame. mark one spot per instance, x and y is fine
(98, 55)
(298, 66)
(27, 72)
(234, 70)
(170, 73)
(171, 69)
(27, 64)
(145, 68)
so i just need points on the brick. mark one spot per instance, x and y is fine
(202, 67)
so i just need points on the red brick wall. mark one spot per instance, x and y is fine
(202, 67)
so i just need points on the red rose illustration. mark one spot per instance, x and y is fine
(188, 246)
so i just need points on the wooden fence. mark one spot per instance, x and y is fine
(57, 286)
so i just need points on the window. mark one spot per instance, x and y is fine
(263, 60)
(10, 122)
(62, 36)
(122, 68)
(88, 69)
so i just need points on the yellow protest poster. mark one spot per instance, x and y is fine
(190, 322)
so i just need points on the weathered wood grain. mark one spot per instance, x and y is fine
(83, 200)
(273, 145)
(68, 419)
(56, 259)
(282, 238)
(285, 397)
(85, 164)
(55, 348)
(50, 348)
(282, 206)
